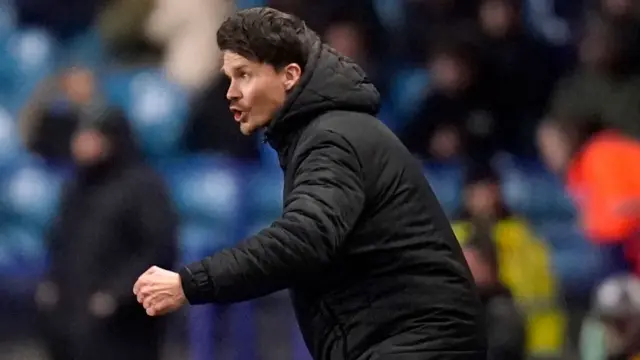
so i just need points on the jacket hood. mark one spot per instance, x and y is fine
(114, 125)
(330, 81)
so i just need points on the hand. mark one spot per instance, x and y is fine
(102, 305)
(159, 291)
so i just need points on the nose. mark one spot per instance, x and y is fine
(233, 93)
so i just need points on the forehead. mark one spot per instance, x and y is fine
(232, 61)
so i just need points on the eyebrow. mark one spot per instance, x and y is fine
(235, 69)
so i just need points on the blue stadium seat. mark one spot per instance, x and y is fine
(86, 49)
(562, 235)
(198, 240)
(8, 261)
(10, 145)
(7, 18)
(446, 180)
(531, 191)
(389, 117)
(22, 253)
(29, 194)
(579, 264)
(156, 107)
(408, 88)
(390, 12)
(245, 4)
(541, 19)
(26, 57)
(264, 202)
(207, 190)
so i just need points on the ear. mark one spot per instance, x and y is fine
(291, 75)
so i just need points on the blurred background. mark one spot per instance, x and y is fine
(117, 151)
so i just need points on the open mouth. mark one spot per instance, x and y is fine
(237, 114)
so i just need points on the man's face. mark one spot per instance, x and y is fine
(346, 38)
(450, 74)
(497, 18)
(79, 85)
(257, 90)
(89, 147)
(554, 148)
(482, 199)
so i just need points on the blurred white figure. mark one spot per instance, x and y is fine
(187, 32)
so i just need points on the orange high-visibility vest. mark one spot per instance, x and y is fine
(604, 179)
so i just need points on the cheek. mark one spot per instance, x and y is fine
(265, 100)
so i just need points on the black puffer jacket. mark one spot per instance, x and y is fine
(374, 269)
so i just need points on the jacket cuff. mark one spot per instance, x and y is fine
(197, 285)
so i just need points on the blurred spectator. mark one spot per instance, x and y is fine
(617, 305)
(121, 24)
(186, 30)
(488, 82)
(522, 260)
(518, 71)
(350, 39)
(601, 171)
(606, 84)
(55, 110)
(454, 120)
(429, 22)
(506, 331)
(320, 15)
(625, 16)
(483, 204)
(115, 221)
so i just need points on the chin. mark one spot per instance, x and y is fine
(247, 129)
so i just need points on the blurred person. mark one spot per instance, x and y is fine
(519, 73)
(625, 16)
(606, 83)
(601, 173)
(483, 203)
(454, 120)
(186, 32)
(617, 306)
(321, 15)
(348, 37)
(428, 23)
(115, 220)
(50, 117)
(373, 267)
(506, 331)
(522, 260)
(619, 9)
(121, 25)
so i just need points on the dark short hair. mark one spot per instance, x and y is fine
(267, 36)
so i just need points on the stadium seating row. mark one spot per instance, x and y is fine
(221, 200)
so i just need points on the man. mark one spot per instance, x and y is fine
(374, 269)
(115, 213)
(506, 333)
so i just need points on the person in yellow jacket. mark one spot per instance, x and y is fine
(523, 260)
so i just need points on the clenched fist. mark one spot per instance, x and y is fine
(159, 291)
